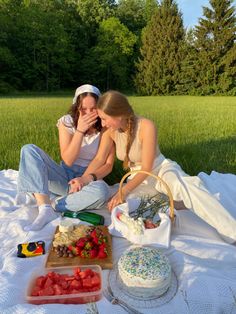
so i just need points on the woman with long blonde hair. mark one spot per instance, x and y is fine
(135, 140)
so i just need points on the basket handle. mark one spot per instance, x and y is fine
(156, 177)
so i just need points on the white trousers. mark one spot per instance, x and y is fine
(192, 191)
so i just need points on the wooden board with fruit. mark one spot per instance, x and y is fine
(85, 245)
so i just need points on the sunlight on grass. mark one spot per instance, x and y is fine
(198, 132)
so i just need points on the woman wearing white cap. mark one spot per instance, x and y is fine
(79, 137)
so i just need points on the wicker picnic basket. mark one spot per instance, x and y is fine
(159, 236)
(171, 201)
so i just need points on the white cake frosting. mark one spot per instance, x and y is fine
(145, 272)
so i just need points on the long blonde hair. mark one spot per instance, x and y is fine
(115, 104)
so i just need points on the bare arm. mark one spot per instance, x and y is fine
(148, 137)
(101, 165)
(70, 144)
(105, 155)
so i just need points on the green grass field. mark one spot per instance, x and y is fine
(198, 132)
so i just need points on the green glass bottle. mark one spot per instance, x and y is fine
(92, 218)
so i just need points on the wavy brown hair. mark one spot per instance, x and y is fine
(115, 104)
(74, 110)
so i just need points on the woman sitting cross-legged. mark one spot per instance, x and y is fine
(79, 137)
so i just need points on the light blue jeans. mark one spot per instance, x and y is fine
(38, 173)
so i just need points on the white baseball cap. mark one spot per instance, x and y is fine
(86, 88)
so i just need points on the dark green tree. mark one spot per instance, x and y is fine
(158, 69)
(215, 43)
(188, 75)
(39, 48)
(135, 14)
(109, 60)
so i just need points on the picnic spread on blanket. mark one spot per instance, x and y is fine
(126, 264)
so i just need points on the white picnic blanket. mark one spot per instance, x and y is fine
(204, 264)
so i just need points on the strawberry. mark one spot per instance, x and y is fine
(70, 247)
(84, 253)
(93, 253)
(78, 250)
(81, 242)
(104, 239)
(102, 246)
(73, 249)
(95, 240)
(149, 224)
(102, 254)
(88, 245)
(93, 234)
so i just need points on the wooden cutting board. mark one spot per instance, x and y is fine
(54, 261)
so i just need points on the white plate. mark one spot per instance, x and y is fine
(117, 288)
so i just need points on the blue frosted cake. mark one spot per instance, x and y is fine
(145, 272)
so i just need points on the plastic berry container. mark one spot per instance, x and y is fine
(66, 285)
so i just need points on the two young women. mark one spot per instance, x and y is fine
(135, 142)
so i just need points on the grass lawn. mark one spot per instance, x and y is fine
(197, 132)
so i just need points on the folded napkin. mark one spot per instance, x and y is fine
(157, 237)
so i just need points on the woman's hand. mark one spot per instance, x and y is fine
(76, 184)
(115, 200)
(86, 121)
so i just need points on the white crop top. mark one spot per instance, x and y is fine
(89, 144)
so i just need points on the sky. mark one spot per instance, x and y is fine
(192, 10)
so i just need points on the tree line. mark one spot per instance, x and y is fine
(136, 46)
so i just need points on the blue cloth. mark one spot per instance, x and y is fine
(38, 173)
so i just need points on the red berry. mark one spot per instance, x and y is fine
(93, 233)
(93, 253)
(84, 253)
(88, 245)
(81, 242)
(102, 254)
